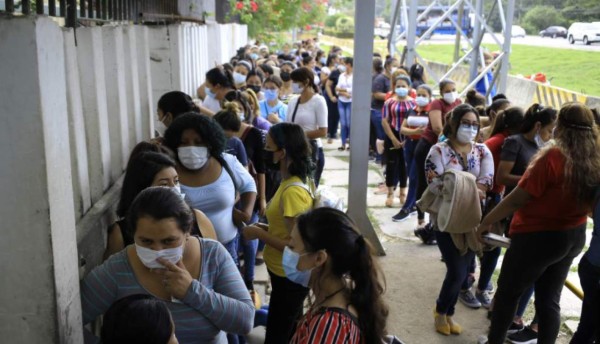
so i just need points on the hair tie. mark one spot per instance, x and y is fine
(577, 126)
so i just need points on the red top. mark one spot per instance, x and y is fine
(438, 104)
(327, 326)
(395, 111)
(495, 143)
(552, 208)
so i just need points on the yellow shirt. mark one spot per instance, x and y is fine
(294, 201)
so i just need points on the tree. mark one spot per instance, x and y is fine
(267, 17)
(540, 17)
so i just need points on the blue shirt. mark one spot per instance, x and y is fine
(280, 109)
(480, 86)
(236, 148)
(217, 199)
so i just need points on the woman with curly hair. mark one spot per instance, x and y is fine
(210, 178)
(327, 250)
(550, 206)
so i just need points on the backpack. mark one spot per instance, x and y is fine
(322, 197)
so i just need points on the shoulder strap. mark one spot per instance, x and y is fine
(245, 133)
(302, 185)
(295, 109)
(225, 165)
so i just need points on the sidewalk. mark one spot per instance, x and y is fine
(413, 271)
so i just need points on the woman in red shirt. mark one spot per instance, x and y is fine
(327, 250)
(550, 206)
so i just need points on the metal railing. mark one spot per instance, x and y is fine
(78, 11)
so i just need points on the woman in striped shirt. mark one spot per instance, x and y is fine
(395, 110)
(195, 277)
(327, 250)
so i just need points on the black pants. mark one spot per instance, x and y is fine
(333, 117)
(285, 309)
(320, 164)
(395, 168)
(421, 153)
(589, 324)
(542, 259)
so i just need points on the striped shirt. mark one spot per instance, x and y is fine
(327, 326)
(218, 301)
(395, 111)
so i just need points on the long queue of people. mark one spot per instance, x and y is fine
(226, 185)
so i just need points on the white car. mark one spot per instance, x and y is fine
(584, 32)
(517, 31)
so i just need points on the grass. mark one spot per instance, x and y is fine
(573, 70)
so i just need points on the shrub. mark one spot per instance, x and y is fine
(540, 17)
(332, 19)
(344, 24)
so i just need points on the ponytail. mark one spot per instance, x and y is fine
(509, 119)
(366, 294)
(349, 255)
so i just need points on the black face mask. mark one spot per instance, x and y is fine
(285, 76)
(254, 88)
(268, 157)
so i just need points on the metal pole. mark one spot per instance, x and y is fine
(506, 47)
(392, 38)
(361, 106)
(477, 37)
(461, 11)
(412, 33)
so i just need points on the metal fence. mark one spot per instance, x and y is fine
(136, 11)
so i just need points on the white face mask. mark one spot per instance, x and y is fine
(450, 97)
(239, 78)
(539, 141)
(177, 189)
(297, 88)
(466, 134)
(422, 101)
(193, 157)
(241, 116)
(342, 68)
(160, 128)
(149, 257)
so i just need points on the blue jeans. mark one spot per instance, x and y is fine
(345, 113)
(232, 247)
(489, 260)
(249, 247)
(411, 168)
(524, 302)
(456, 271)
(588, 329)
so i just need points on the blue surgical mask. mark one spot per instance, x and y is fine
(401, 91)
(466, 133)
(342, 68)
(290, 267)
(271, 95)
(254, 56)
(323, 60)
(209, 92)
(239, 78)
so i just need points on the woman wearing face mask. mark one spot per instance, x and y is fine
(254, 81)
(310, 112)
(211, 179)
(219, 82)
(461, 153)
(395, 111)
(517, 152)
(412, 128)
(271, 108)
(254, 118)
(171, 105)
(550, 206)
(491, 112)
(287, 150)
(147, 167)
(240, 72)
(327, 252)
(437, 114)
(344, 93)
(285, 72)
(195, 277)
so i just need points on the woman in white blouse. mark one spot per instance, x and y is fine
(344, 92)
(459, 152)
(310, 112)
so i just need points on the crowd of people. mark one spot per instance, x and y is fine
(229, 182)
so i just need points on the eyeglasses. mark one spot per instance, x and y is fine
(467, 124)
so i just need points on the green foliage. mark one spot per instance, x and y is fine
(540, 17)
(332, 19)
(345, 24)
(339, 34)
(273, 16)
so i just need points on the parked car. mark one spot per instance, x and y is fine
(517, 31)
(554, 31)
(584, 32)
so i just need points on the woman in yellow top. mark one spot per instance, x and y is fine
(288, 151)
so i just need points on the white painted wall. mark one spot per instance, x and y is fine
(39, 284)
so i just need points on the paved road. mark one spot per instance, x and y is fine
(528, 40)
